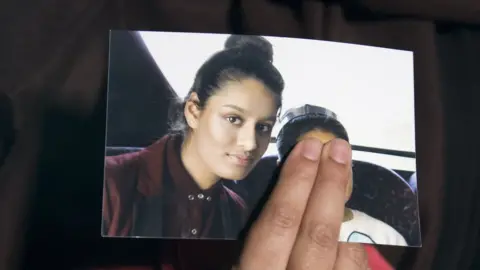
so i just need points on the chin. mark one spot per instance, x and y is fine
(231, 175)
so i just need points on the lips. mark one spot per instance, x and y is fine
(241, 160)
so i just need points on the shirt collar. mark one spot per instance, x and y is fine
(181, 179)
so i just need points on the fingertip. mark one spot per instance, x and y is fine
(340, 151)
(311, 148)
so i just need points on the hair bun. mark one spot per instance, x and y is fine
(257, 45)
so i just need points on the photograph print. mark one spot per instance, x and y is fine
(198, 125)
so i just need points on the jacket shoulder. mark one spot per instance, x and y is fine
(122, 160)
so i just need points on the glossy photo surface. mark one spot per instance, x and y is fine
(198, 126)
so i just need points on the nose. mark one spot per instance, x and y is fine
(247, 138)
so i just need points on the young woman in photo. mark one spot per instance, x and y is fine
(174, 188)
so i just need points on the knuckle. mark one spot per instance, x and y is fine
(323, 235)
(284, 218)
(357, 255)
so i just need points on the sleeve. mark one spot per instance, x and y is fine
(119, 194)
(375, 260)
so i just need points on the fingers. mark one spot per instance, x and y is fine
(271, 238)
(351, 256)
(317, 240)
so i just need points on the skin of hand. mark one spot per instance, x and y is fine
(300, 224)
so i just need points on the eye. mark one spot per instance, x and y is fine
(234, 120)
(262, 128)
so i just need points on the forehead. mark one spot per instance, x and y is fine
(323, 136)
(249, 94)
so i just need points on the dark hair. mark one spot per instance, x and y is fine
(242, 57)
(292, 130)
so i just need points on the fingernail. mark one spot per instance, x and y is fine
(312, 149)
(340, 151)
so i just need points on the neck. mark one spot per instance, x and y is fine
(195, 166)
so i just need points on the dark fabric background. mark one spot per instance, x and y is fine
(53, 65)
(143, 119)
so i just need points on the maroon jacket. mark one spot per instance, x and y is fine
(144, 189)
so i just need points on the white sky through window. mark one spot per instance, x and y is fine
(371, 89)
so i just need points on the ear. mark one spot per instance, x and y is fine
(192, 110)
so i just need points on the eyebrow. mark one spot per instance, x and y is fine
(235, 107)
(242, 110)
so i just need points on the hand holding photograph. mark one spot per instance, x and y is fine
(198, 125)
